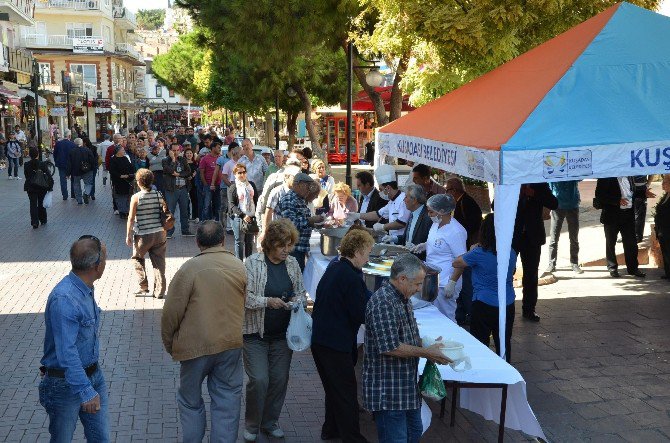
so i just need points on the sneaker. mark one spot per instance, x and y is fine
(248, 436)
(10, 178)
(141, 293)
(275, 432)
(116, 212)
(187, 234)
(576, 269)
(18, 178)
(550, 270)
(93, 197)
(159, 296)
(169, 236)
(86, 198)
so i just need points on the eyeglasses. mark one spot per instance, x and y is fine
(98, 244)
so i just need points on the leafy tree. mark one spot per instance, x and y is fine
(150, 19)
(261, 50)
(461, 39)
(183, 66)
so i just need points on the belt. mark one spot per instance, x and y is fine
(60, 373)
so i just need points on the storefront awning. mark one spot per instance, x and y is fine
(27, 92)
(10, 95)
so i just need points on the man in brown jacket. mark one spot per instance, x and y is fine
(202, 329)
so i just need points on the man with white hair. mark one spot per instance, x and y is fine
(81, 162)
(62, 158)
(255, 164)
(102, 151)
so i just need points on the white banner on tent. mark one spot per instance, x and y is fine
(561, 164)
(481, 164)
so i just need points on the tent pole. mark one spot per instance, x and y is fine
(507, 199)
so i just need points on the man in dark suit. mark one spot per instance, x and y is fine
(419, 222)
(469, 215)
(615, 197)
(529, 236)
(370, 200)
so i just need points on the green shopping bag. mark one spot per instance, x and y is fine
(432, 386)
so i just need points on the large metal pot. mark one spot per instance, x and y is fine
(330, 240)
(431, 283)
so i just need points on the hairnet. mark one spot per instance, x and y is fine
(441, 203)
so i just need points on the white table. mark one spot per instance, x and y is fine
(490, 380)
(481, 388)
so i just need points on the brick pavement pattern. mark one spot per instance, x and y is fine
(596, 366)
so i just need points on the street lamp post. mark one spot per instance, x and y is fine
(67, 85)
(374, 79)
(277, 122)
(35, 87)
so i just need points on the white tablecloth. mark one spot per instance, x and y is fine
(487, 367)
(315, 266)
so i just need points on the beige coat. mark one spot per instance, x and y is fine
(257, 272)
(204, 306)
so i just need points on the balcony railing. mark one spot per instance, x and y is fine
(25, 7)
(121, 12)
(54, 41)
(78, 5)
(125, 48)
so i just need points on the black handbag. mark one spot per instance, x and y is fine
(40, 180)
(249, 227)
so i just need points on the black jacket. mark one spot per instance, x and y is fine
(119, 166)
(169, 166)
(376, 203)
(608, 193)
(234, 201)
(421, 230)
(662, 218)
(529, 226)
(339, 309)
(469, 215)
(29, 169)
(77, 155)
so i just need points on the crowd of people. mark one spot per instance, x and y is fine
(272, 203)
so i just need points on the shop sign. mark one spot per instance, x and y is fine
(87, 45)
(58, 112)
(4, 58)
(140, 87)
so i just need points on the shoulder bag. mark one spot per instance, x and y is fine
(40, 180)
(167, 219)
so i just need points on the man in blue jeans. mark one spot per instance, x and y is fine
(392, 352)
(73, 386)
(61, 158)
(175, 172)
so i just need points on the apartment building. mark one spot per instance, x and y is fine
(91, 42)
(17, 102)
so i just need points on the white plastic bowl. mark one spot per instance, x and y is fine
(453, 350)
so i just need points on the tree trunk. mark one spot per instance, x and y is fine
(396, 92)
(291, 127)
(309, 123)
(377, 102)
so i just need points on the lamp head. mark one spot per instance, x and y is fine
(374, 78)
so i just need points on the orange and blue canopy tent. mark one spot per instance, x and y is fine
(592, 102)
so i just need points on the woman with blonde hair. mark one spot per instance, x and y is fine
(339, 311)
(273, 279)
(327, 182)
(342, 202)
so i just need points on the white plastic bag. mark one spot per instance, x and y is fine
(299, 332)
(48, 199)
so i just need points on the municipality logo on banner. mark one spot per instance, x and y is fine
(562, 164)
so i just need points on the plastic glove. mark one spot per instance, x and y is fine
(353, 216)
(450, 289)
(420, 248)
(389, 239)
(379, 227)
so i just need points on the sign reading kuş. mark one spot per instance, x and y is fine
(562, 164)
(87, 45)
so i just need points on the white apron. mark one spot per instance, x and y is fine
(443, 246)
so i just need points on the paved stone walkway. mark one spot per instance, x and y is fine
(596, 365)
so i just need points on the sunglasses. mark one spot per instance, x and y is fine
(98, 244)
